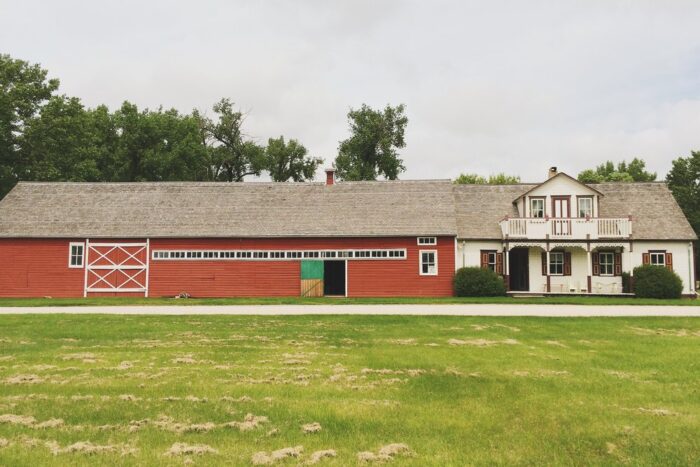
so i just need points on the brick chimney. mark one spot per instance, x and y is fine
(552, 172)
(330, 176)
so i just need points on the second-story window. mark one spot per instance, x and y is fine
(585, 207)
(537, 207)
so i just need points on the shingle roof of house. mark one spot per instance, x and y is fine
(396, 208)
(655, 213)
(228, 209)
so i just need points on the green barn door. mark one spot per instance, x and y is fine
(311, 278)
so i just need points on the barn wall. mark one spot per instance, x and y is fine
(38, 268)
(282, 278)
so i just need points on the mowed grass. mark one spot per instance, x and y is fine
(454, 390)
(550, 300)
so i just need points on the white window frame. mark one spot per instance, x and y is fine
(82, 255)
(491, 264)
(427, 241)
(420, 263)
(532, 211)
(652, 254)
(552, 255)
(611, 255)
(585, 198)
(392, 254)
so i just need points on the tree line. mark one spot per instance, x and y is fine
(47, 136)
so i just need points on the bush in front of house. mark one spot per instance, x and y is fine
(656, 282)
(478, 282)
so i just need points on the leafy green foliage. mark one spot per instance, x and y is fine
(497, 179)
(372, 149)
(289, 160)
(24, 88)
(656, 282)
(478, 282)
(634, 171)
(684, 182)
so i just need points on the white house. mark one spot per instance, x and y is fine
(564, 236)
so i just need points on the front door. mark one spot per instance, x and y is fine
(561, 212)
(518, 263)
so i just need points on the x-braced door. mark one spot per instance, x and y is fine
(116, 267)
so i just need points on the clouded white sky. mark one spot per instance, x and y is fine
(489, 86)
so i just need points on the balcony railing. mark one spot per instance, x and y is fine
(566, 228)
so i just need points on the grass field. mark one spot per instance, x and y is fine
(133, 390)
(551, 300)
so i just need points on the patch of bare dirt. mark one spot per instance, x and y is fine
(557, 344)
(85, 357)
(129, 398)
(125, 365)
(664, 332)
(185, 359)
(4, 442)
(658, 412)
(264, 458)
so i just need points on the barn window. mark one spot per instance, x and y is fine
(427, 240)
(428, 263)
(76, 254)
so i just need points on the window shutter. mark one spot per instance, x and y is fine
(544, 263)
(617, 265)
(567, 263)
(499, 263)
(484, 259)
(669, 261)
(646, 259)
(596, 264)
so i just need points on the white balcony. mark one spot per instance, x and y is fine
(566, 228)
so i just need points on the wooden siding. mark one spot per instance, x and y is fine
(35, 268)
(38, 268)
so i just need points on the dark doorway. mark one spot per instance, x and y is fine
(334, 278)
(519, 265)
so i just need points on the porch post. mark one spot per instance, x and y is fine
(549, 285)
(589, 268)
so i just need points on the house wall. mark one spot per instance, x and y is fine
(468, 253)
(682, 259)
(35, 268)
(558, 186)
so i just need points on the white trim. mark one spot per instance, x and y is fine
(148, 264)
(87, 259)
(420, 263)
(346, 277)
(426, 241)
(101, 272)
(70, 255)
(612, 263)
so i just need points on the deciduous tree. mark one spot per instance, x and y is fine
(289, 160)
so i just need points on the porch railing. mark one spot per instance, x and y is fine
(568, 228)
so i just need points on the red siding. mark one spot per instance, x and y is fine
(38, 268)
(34, 268)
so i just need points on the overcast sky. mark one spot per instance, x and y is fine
(489, 86)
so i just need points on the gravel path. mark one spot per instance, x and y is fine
(422, 310)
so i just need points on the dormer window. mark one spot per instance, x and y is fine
(585, 206)
(537, 207)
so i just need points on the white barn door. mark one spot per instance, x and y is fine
(119, 267)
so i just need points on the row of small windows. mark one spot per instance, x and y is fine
(273, 255)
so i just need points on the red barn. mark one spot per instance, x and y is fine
(394, 238)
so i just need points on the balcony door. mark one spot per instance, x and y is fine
(561, 213)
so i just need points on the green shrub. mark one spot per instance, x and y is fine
(626, 282)
(478, 282)
(656, 282)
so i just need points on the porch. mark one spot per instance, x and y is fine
(566, 268)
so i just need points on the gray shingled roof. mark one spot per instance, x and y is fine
(423, 207)
(655, 213)
(127, 210)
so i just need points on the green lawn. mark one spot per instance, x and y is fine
(454, 390)
(553, 300)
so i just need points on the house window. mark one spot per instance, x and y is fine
(537, 207)
(488, 259)
(427, 240)
(585, 207)
(428, 263)
(657, 258)
(556, 263)
(76, 252)
(607, 263)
